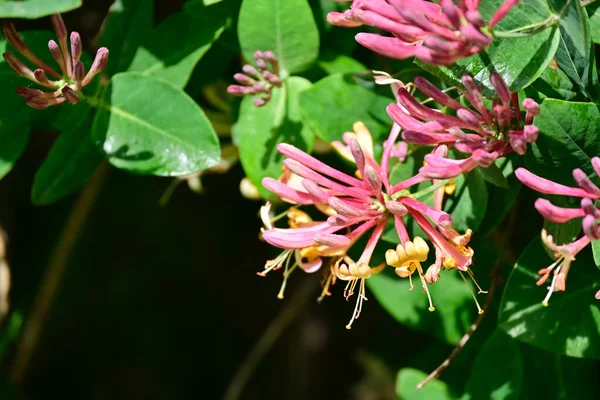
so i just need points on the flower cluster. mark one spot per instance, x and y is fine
(481, 133)
(65, 85)
(352, 207)
(258, 81)
(438, 34)
(588, 192)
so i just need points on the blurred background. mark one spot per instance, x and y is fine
(117, 296)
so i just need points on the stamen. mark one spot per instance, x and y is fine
(475, 282)
(326, 285)
(359, 301)
(286, 273)
(479, 309)
(551, 288)
(410, 282)
(276, 263)
(424, 283)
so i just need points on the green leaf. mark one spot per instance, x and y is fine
(501, 200)
(493, 174)
(33, 9)
(286, 27)
(554, 83)
(259, 130)
(333, 63)
(468, 203)
(569, 138)
(126, 28)
(596, 252)
(497, 373)
(593, 11)
(335, 103)
(554, 376)
(13, 140)
(570, 324)
(409, 378)
(173, 48)
(148, 126)
(575, 54)
(454, 308)
(73, 158)
(518, 68)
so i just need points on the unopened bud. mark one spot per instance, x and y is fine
(237, 90)
(70, 95)
(13, 37)
(244, 79)
(358, 154)
(79, 73)
(531, 133)
(343, 208)
(259, 102)
(76, 47)
(29, 93)
(396, 208)
(59, 27)
(372, 179)
(55, 51)
(40, 76)
(98, 65)
(500, 86)
(250, 70)
(531, 106)
(18, 66)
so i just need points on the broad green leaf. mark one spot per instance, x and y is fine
(332, 106)
(126, 28)
(468, 203)
(569, 138)
(259, 130)
(593, 11)
(73, 158)
(497, 373)
(554, 376)
(454, 308)
(33, 9)
(596, 252)
(554, 83)
(570, 324)
(409, 378)
(333, 63)
(575, 54)
(286, 27)
(501, 199)
(493, 174)
(148, 126)
(13, 140)
(518, 68)
(173, 48)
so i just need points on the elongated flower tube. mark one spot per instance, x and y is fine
(66, 84)
(356, 207)
(588, 192)
(481, 133)
(438, 34)
(258, 81)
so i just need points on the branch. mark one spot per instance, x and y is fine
(463, 341)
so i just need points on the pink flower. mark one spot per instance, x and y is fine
(436, 34)
(72, 77)
(565, 254)
(258, 81)
(484, 134)
(357, 206)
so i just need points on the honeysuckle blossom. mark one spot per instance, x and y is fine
(258, 81)
(65, 85)
(481, 133)
(588, 192)
(355, 207)
(438, 34)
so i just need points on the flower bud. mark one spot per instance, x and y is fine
(70, 95)
(13, 37)
(76, 47)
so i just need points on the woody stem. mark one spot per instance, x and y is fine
(463, 341)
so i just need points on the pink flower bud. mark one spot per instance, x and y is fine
(76, 47)
(59, 27)
(333, 240)
(13, 37)
(585, 183)
(98, 65)
(70, 95)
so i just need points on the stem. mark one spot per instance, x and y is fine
(463, 341)
(432, 188)
(56, 268)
